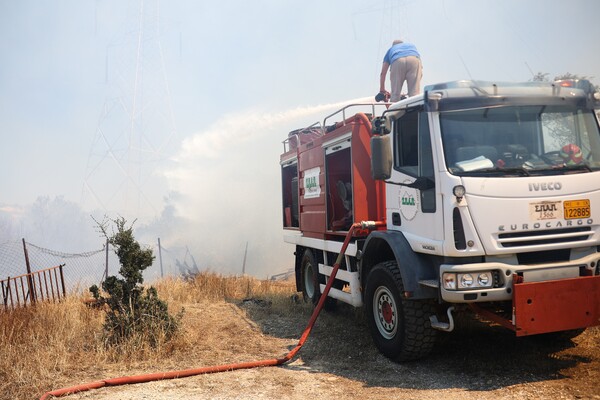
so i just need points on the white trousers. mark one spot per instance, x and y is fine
(407, 69)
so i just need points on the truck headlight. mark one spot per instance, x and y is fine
(484, 279)
(470, 280)
(465, 281)
(449, 281)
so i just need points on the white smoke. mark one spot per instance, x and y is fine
(228, 182)
(242, 127)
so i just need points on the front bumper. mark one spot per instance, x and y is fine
(551, 306)
(503, 291)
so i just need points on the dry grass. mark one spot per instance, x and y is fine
(211, 287)
(55, 345)
(41, 342)
(51, 346)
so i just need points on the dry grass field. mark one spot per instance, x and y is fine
(233, 319)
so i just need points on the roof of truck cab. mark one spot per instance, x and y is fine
(476, 88)
(466, 94)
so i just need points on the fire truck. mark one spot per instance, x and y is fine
(481, 196)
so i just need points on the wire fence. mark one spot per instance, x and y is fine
(82, 270)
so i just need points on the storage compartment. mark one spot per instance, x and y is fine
(289, 185)
(340, 196)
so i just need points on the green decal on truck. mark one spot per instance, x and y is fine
(312, 188)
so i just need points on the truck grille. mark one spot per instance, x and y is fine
(534, 238)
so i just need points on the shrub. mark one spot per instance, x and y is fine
(132, 310)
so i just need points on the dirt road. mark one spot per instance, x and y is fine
(339, 361)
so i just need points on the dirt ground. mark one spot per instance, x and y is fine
(339, 361)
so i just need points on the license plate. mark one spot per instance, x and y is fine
(545, 210)
(576, 209)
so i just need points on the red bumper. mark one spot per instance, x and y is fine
(551, 306)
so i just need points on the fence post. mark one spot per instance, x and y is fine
(106, 263)
(160, 259)
(62, 280)
(244, 263)
(29, 279)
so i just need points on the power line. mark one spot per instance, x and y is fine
(456, 49)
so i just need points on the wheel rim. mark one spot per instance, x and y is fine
(385, 312)
(309, 282)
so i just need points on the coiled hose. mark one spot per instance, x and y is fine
(125, 380)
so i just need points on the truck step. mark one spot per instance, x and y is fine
(430, 282)
(352, 295)
(443, 326)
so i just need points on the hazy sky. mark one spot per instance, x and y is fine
(195, 103)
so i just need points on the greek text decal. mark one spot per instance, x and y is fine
(409, 202)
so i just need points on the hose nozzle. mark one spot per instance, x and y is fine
(370, 225)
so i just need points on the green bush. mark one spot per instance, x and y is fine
(132, 310)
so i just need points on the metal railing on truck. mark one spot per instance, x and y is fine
(318, 129)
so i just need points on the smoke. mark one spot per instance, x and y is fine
(228, 184)
(223, 191)
(247, 126)
(55, 223)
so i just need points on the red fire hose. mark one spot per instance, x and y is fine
(226, 367)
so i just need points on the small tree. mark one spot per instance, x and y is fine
(132, 309)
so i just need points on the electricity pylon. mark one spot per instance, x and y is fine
(135, 132)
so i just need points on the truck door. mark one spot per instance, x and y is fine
(289, 190)
(417, 213)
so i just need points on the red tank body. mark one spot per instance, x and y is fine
(326, 180)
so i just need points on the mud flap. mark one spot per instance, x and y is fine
(551, 306)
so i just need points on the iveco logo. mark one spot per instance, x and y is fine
(536, 187)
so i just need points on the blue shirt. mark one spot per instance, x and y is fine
(400, 50)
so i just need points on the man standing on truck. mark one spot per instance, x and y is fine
(404, 62)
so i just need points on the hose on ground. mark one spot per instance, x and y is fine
(225, 367)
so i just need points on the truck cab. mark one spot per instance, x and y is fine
(491, 200)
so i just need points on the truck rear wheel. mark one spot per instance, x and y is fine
(311, 280)
(400, 328)
(310, 283)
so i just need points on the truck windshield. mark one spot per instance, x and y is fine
(520, 140)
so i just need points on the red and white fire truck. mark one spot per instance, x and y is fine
(487, 196)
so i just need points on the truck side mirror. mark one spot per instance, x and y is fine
(380, 126)
(381, 157)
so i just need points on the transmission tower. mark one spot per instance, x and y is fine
(135, 132)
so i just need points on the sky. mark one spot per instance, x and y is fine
(173, 113)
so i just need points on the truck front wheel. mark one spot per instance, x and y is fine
(400, 328)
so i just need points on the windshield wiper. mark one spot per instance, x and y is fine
(519, 171)
(576, 168)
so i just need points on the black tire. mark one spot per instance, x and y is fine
(311, 280)
(400, 328)
(308, 276)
